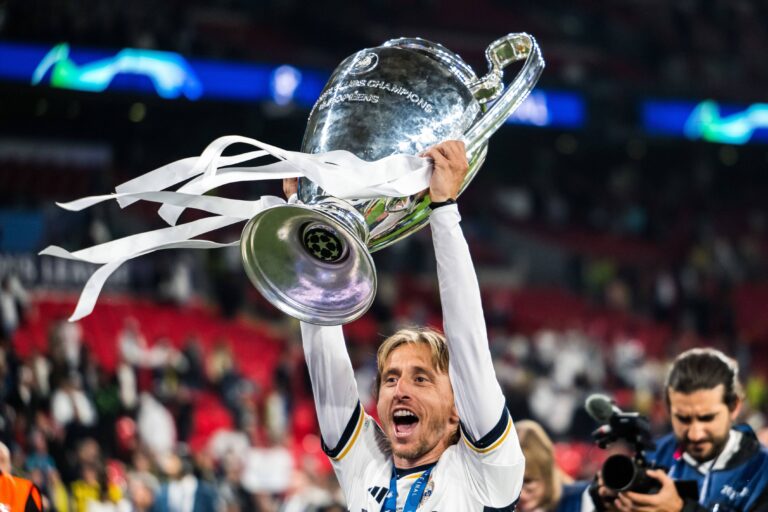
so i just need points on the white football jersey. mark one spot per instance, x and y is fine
(468, 477)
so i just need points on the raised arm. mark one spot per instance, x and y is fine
(330, 370)
(478, 396)
(333, 380)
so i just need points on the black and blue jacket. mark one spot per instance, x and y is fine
(740, 484)
(572, 497)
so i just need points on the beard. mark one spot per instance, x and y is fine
(433, 434)
(415, 452)
(714, 445)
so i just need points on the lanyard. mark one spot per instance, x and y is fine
(414, 495)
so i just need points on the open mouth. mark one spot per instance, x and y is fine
(404, 422)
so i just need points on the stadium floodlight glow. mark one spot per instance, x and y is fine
(169, 72)
(285, 80)
(550, 109)
(707, 120)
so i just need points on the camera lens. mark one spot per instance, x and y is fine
(619, 472)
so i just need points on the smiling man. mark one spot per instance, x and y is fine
(727, 462)
(446, 441)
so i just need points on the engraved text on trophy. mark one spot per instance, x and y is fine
(338, 94)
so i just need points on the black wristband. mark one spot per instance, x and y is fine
(436, 205)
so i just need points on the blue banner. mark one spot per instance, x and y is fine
(173, 76)
(555, 109)
(165, 74)
(707, 120)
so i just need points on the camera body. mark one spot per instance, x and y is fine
(622, 472)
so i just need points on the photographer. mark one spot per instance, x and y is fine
(727, 463)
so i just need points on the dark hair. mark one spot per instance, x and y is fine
(705, 368)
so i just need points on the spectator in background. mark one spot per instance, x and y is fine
(38, 458)
(92, 492)
(24, 396)
(16, 493)
(231, 492)
(305, 494)
(177, 287)
(142, 488)
(220, 363)
(193, 369)
(155, 425)
(41, 369)
(546, 488)
(9, 369)
(13, 305)
(106, 398)
(132, 344)
(128, 386)
(70, 335)
(183, 492)
(70, 406)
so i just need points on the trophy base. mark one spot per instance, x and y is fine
(309, 262)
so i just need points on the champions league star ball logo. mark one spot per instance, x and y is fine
(364, 63)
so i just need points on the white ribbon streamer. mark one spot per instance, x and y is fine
(339, 173)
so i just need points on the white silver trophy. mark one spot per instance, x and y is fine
(312, 259)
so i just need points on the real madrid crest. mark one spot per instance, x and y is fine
(427, 491)
(364, 63)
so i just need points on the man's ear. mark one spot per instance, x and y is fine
(454, 415)
(736, 409)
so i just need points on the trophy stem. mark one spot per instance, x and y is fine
(344, 213)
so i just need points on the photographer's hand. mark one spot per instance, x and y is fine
(666, 500)
(603, 497)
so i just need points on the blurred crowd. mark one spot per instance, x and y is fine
(94, 439)
(656, 232)
(126, 438)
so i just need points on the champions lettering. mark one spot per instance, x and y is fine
(337, 95)
(353, 96)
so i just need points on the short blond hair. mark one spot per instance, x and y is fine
(540, 461)
(434, 339)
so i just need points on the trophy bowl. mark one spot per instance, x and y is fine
(312, 258)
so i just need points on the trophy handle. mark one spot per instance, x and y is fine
(501, 53)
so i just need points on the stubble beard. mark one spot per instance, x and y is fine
(423, 445)
(717, 447)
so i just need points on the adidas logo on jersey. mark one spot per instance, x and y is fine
(378, 493)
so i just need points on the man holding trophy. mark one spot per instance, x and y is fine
(446, 441)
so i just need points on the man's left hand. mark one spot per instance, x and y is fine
(666, 500)
(450, 167)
